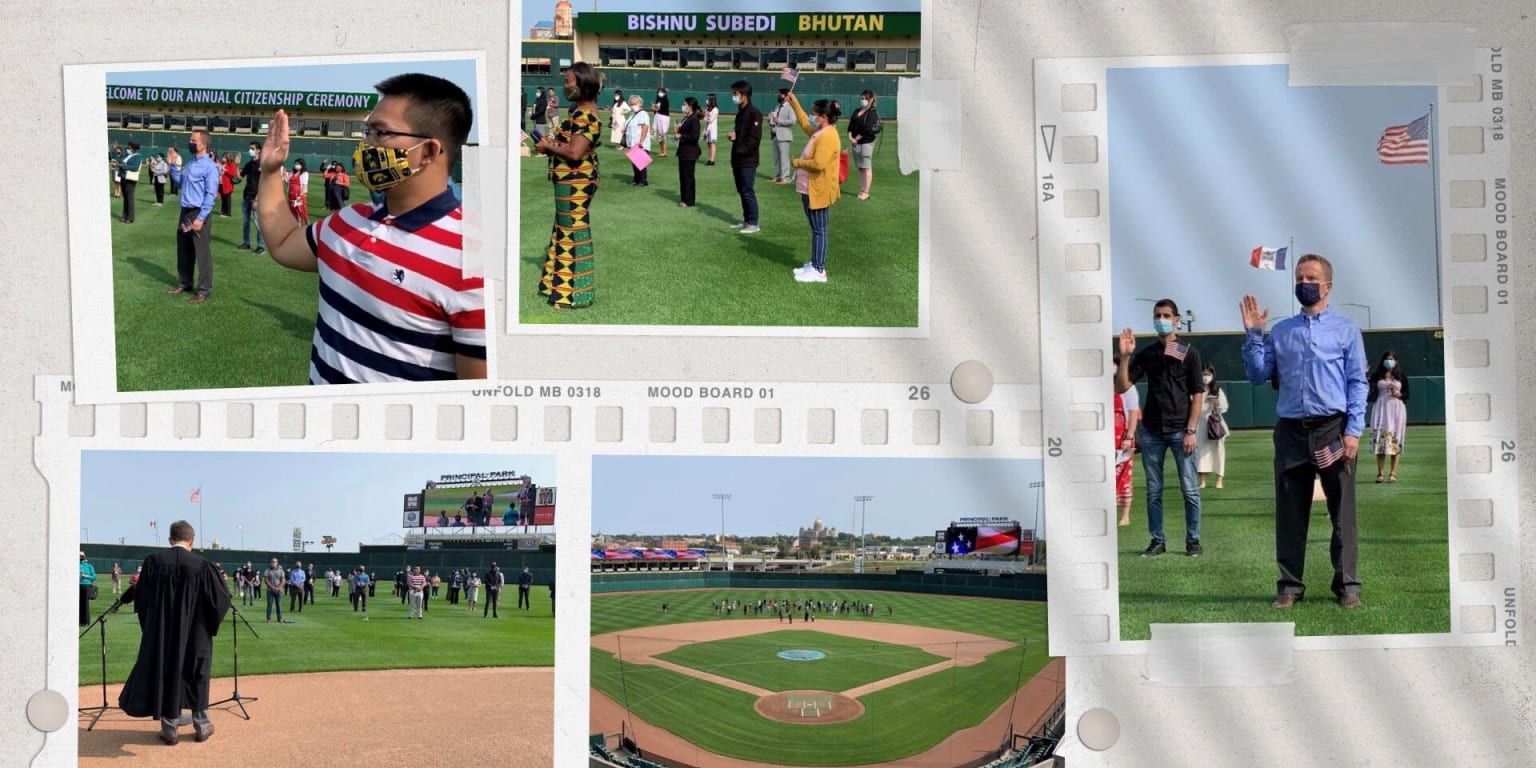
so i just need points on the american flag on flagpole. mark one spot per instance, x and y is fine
(196, 496)
(1405, 144)
(151, 524)
(789, 73)
(1175, 350)
(1327, 455)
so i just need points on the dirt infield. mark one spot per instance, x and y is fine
(809, 707)
(418, 717)
(642, 645)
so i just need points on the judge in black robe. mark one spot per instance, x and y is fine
(181, 601)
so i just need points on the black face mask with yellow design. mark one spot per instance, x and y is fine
(380, 168)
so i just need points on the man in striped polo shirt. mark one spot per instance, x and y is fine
(416, 585)
(394, 304)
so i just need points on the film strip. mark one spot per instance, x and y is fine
(1075, 152)
(570, 421)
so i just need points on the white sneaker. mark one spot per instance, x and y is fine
(751, 230)
(739, 225)
(802, 268)
(811, 276)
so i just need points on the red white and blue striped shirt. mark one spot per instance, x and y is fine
(394, 303)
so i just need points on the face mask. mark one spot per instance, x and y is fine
(192, 147)
(1163, 327)
(735, 99)
(617, 99)
(1389, 364)
(1206, 380)
(383, 167)
(1309, 293)
(254, 153)
(863, 103)
(660, 94)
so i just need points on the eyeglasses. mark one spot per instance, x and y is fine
(375, 135)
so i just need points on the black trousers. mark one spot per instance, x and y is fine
(685, 180)
(194, 249)
(524, 601)
(1295, 476)
(641, 175)
(492, 597)
(85, 605)
(128, 188)
(159, 192)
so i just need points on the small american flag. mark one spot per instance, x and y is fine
(1405, 144)
(196, 496)
(1175, 350)
(1327, 455)
(789, 73)
(526, 137)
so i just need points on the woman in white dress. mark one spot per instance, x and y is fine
(711, 125)
(1210, 455)
(617, 118)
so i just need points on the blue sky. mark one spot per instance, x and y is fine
(772, 495)
(355, 497)
(544, 10)
(339, 78)
(1207, 163)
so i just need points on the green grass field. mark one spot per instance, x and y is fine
(898, 721)
(658, 264)
(328, 636)
(849, 662)
(1404, 556)
(255, 330)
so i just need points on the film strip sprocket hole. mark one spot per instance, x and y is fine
(1075, 151)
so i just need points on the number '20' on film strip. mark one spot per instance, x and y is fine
(1205, 179)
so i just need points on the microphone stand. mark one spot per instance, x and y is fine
(101, 624)
(235, 639)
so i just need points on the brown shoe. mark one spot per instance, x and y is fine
(178, 290)
(1284, 602)
(202, 727)
(1350, 600)
(198, 298)
(168, 735)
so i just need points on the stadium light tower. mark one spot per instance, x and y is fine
(858, 560)
(1039, 486)
(722, 498)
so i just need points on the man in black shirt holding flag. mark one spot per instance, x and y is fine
(1170, 416)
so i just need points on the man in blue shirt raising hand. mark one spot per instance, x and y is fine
(1318, 357)
(199, 188)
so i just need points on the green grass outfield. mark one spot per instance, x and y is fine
(255, 331)
(1404, 555)
(849, 662)
(328, 636)
(658, 264)
(902, 720)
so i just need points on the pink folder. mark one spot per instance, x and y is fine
(639, 157)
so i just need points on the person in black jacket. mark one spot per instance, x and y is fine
(863, 128)
(688, 151)
(746, 140)
(540, 109)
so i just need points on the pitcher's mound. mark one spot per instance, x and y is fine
(809, 707)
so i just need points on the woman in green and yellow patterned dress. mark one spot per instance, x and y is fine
(572, 151)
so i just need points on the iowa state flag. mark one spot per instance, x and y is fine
(1268, 258)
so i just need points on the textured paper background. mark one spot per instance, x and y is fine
(1420, 707)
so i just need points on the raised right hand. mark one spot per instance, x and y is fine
(1254, 316)
(275, 150)
(1127, 344)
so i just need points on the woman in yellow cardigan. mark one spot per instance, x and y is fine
(816, 180)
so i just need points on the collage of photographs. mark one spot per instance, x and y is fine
(1271, 321)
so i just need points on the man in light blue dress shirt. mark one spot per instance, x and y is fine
(194, 232)
(1317, 360)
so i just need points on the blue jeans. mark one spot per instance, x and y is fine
(247, 209)
(818, 220)
(1153, 447)
(745, 179)
(274, 599)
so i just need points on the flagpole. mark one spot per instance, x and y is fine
(204, 537)
(1291, 250)
(1434, 165)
